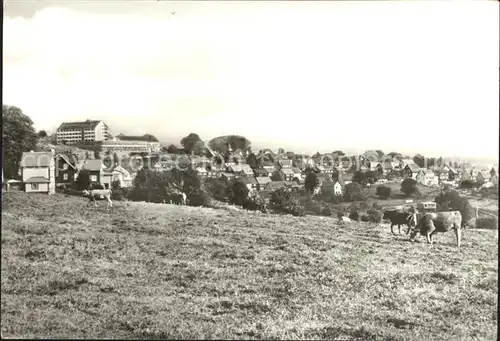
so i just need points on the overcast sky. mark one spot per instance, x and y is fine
(396, 76)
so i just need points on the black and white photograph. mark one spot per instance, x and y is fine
(250, 170)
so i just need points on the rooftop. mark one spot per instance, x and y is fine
(36, 159)
(88, 124)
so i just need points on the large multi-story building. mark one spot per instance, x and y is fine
(78, 132)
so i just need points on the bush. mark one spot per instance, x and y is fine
(198, 198)
(489, 223)
(354, 216)
(327, 212)
(282, 201)
(363, 206)
(120, 193)
(255, 203)
(409, 187)
(314, 207)
(364, 218)
(238, 193)
(374, 216)
(377, 206)
(336, 199)
(383, 192)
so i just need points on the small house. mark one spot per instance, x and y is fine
(227, 176)
(201, 171)
(293, 186)
(251, 183)
(262, 172)
(268, 166)
(262, 181)
(247, 171)
(420, 177)
(482, 176)
(38, 172)
(285, 163)
(345, 178)
(274, 185)
(443, 174)
(95, 169)
(65, 168)
(287, 174)
(410, 170)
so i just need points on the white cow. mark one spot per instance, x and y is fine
(94, 194)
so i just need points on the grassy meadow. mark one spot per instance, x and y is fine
(162, 271)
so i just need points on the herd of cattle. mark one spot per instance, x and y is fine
(419, 223)
(427, 223)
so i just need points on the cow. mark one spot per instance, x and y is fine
(94, 194)
(175, 198)
(433, 222)
(399, 218)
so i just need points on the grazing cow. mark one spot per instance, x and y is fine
(98, 194)
(433, 222)
(175, 198)
(399, 218)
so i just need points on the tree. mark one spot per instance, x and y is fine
(253, 161)
(311, 181)
(394, 154)
(278, 176)
(380, 153)
(116, 159)
(238, 193)
(42, 134)
(439, 162)
(419, 160)
(372, 176)
(354, 192)
(83, 180)
(97, 155)
(409, 187)
(338, 153)
(18, 136)
(359, 177)
(190, 142)
(115, 185)
(493, 172)
(281, 151)
(173, 149)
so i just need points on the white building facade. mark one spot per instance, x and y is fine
(77, 132)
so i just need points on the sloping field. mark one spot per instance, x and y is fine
(162, 271)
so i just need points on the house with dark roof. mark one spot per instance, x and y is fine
(286, 173)
(284, 163)
(410, 170)
(251, 183)
(86, 131)
(65, 168)
(38, 172)
(262, 181)
(275, 185)
(95, 169)
(259, 172)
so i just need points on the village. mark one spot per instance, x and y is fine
(118, 159)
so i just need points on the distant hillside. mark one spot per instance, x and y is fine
(220, 144)
(81, 154)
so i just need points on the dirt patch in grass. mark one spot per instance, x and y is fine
(163, 271)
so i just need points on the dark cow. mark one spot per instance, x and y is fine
(175, 198)
(430, 223)
(399, 218)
